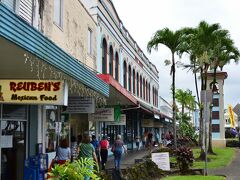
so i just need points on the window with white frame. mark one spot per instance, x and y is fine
(90, 41)
(58, 13)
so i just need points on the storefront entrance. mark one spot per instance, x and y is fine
(13, 141)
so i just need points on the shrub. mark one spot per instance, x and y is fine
(184, 157)
(76, 170)
(144, 170)
(232, 143)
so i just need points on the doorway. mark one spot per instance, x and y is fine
(13, 141)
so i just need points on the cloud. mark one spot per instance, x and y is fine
(143, 18)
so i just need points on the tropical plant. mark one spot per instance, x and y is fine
(208, 46)
(184, 157)
(186, 129)
(144, 170)
(76, 170)
(172, 40)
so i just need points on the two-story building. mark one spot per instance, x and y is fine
(133, 79)
(48, 56)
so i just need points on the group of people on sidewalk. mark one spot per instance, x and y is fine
(151, 139)
(89, 147)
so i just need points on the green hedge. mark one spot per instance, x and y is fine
(232, 143)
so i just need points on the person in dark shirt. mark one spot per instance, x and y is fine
(95, 144)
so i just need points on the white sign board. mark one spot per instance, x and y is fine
(80, 105)
(102, 114)
(118, 123)
(6, 141)
(162, 160)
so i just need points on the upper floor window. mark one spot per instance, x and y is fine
(141, 86)
(134, 84)
(137, 84)
(104, 56)
(149, 93)
(129, 78)
(125, 74)
(90, 41)
(58, 13)
(111, 60)
(116, 66)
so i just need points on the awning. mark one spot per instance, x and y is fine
(21, 35)
(118, 95)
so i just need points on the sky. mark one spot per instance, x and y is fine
(142, 18)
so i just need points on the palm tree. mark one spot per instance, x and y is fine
(223, 52)
(186, 99)
(171, 39)
(198, 44)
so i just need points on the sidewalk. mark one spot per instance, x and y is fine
(232, 171)
(128, 159)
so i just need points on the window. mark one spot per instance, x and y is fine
(116, 66)
(129, 78)
(215, 102)
(137, 85)
(104, 56)
(90, 45)
(134, 81)
(215, 115)
(125, 75)
(141, 86)
(149, 93)
(58, 12)
(111, 60)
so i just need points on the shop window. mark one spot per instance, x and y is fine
(215, 115)
(104, 56)
(57, 128)
(58, 13)
(90, 42)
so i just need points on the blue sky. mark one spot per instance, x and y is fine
(142, 18)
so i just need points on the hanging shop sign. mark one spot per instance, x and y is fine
(121, 122)
(80, 105)
(51, 92)
(102, 114)
(147, 123)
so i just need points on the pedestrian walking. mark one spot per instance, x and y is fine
(137, 142)
(63, 152)
(104, 145)
(95, 144)
(117, 149)
(86, 150)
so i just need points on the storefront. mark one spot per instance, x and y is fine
(34, 73)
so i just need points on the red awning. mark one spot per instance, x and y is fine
(117, 93)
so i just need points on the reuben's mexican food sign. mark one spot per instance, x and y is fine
(33, 92)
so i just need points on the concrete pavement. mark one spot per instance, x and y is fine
(128, 159)
(232, 171)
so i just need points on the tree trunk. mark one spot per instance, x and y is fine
(174, 103)
(202, 154)
(195, 79)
